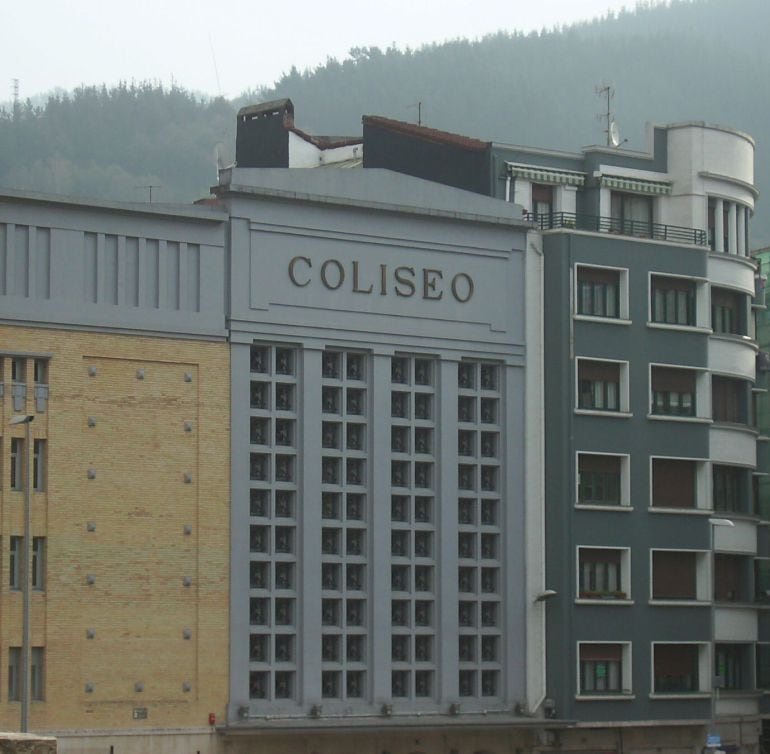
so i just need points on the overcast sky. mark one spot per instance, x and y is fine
(228, 46)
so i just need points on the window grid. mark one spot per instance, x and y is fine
(344, 512)
(479, 529)
(273, 469)
(413, 536)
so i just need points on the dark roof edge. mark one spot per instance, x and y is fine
(426, 134)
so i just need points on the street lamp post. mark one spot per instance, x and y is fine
(26, 582)
(713, 524)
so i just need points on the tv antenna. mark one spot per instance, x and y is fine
(418, 105)
(611, 131)
(149, 187)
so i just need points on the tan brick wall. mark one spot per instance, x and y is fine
(152, 529)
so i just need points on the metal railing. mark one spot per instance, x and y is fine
(635, 228)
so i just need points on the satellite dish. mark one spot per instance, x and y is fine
(614, 134)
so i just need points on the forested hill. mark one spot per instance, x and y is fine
(686, 60)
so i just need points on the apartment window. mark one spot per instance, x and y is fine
(601, 573)
(15, 556)
(673, 392)
(598, 292)
(762, 579)
(674, 575)
(37, 674)
(17, 463)
(731, 666)
(727, 309)
(38, 563)
(39, 464)
(41, 371)
(631, 214)
(599, 479)
(672, 301)
(728, 400)
(14, 674)
(542, 204)
(601, 668)
(763, 666)
(673, 483)
(676, 668)
(19, 370)
(732, 575)
(729, 485)
(599, 385)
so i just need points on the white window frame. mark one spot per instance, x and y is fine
(702, 394)
(623, 411)
(625, 577)
(623, 307)
(625, 482)
(626, 693)
(702, 487)
(705, 663)
(702, 303)
(702, 578)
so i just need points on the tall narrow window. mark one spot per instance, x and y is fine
(18, 370)
(14, 562)
(38, 563)
(727, 312)
(17, 463)
(37, 674)
(729, 398)
(631, 214)
(542, 205)
(14, 674)
(39, 465)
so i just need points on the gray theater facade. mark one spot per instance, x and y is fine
(387, 518)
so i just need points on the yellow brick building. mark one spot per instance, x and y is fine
(130, 499)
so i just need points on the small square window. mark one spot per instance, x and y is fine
(355, 648)
(330, 433)
(354, 577)
(259, 540)
(259, 501)
(399, 405)
(354, 507)
(489, 410)
(259, 395)
(330, 505)
(355, 402)
(284, 361)
(423, 544)
(466, 442)
(488, 377)
(466, 376)
(423, 683)
(489, 648)
(399, 648)
(354, 542)
(422, 510)
(284, 397)
(330, 400)
(467, 683)
(355, 366)
(423, 372)
(330, 648)
(284, 539)
(399, 508)
(330, 470)
(330, 576)
(260, 360)
(284, 612)
(284, 504)
(466, 511)
(399, 371)
(399, 578)
(284, 648)
(489, 444)
(258, 648)
(399, 613)
(260, 431)
(423, 578)
(284, 432)
(330, 365)
(466, 580)
(284, 468)
(354, 683)
(330, 541)
(399, 543)
(354, 612)
(284, 684)
(467, 648)
(330, 612)
(400, 683)
(355, 436)
(399, 473)
(258, 684)
(423, 613)
(259, 575)
(399, 439)
(259, 611)
(489, 512)
(423, 406)
(284, 575)
(466, 409)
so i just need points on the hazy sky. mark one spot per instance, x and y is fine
(228, 46)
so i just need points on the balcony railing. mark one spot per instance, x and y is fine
(635, 228)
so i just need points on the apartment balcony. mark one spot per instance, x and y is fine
(618, 226)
